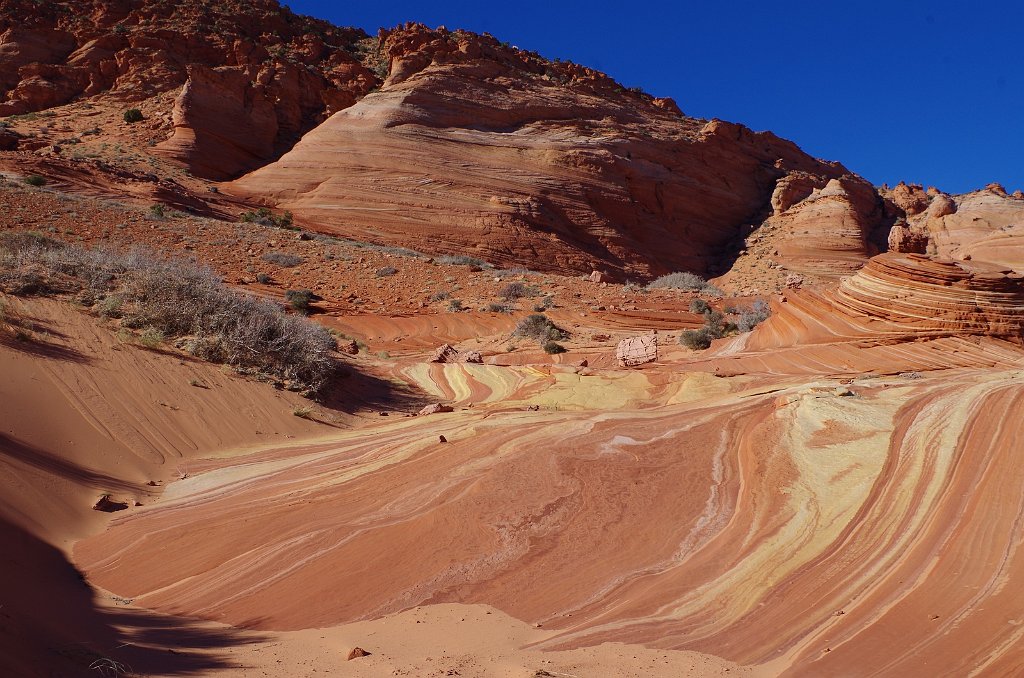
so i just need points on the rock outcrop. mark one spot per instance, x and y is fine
(486, 148)
(985, 225)
(900, 297)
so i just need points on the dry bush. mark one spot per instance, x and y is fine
(282, 259)
(754, 316)
(180, 299)
(684, 281)
(517, 290)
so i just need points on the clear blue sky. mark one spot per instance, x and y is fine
(926, 92)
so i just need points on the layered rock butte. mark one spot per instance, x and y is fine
(837, 492)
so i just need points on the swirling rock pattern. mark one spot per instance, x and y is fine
(794, 529)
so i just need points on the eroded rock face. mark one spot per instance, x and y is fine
(634, 351)
(483, 147)
(831, 231)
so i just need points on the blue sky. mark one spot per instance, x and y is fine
(926, 92)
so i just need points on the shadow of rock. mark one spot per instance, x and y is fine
(51, 625)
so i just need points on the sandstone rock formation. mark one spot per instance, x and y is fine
(901, 297)
(485, 148)
(984, 225)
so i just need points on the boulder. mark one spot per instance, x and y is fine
(435, 409)
(445, 354)
(634, 351)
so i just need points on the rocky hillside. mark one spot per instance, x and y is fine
(252, 76)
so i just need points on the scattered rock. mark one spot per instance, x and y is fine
(842, 392)
(350, 347)
(441, 439)
(471, 357)
(583, 363)
(599, 277)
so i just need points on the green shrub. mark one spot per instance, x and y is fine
(553, 347)
(35, 180)
(133, 115)
(539, 327)
(455, 305)
(699, 306)
(299, 300)
(151, 337)
(264, 217)
(157, 211)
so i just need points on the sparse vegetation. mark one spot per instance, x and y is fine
(264, 279)
(460, 260)
(180, 299)
(35, 180)
(299, 300)
(494, 307)
(133, 115)
(539, 327)
(157, 211)
(684, 281)
(553, 347)
(264, 217)
(517, 290)
(151, 337)
(754, 316)
(699, 306)
(303, 411)
(455, 305)
(282, 259)
(715, 327)
(439, 296)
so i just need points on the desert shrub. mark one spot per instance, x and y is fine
(511, 272)
(460, 260)
(696, 339)
(553, 347)
(264, 217)
(386, 271)
(151, 337)
(715, 327)
(684, 281)
(133, 115)
(517, 290)
(751, 318)
(499, 308)
(303, 411)
(455, 305)
(264, 279)
(439, 296)
(182, 299)
(35, 180)
(157, 211)
(110, 307)
(282, 259)
(539, 327)
(699, 306)
(299, 300)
